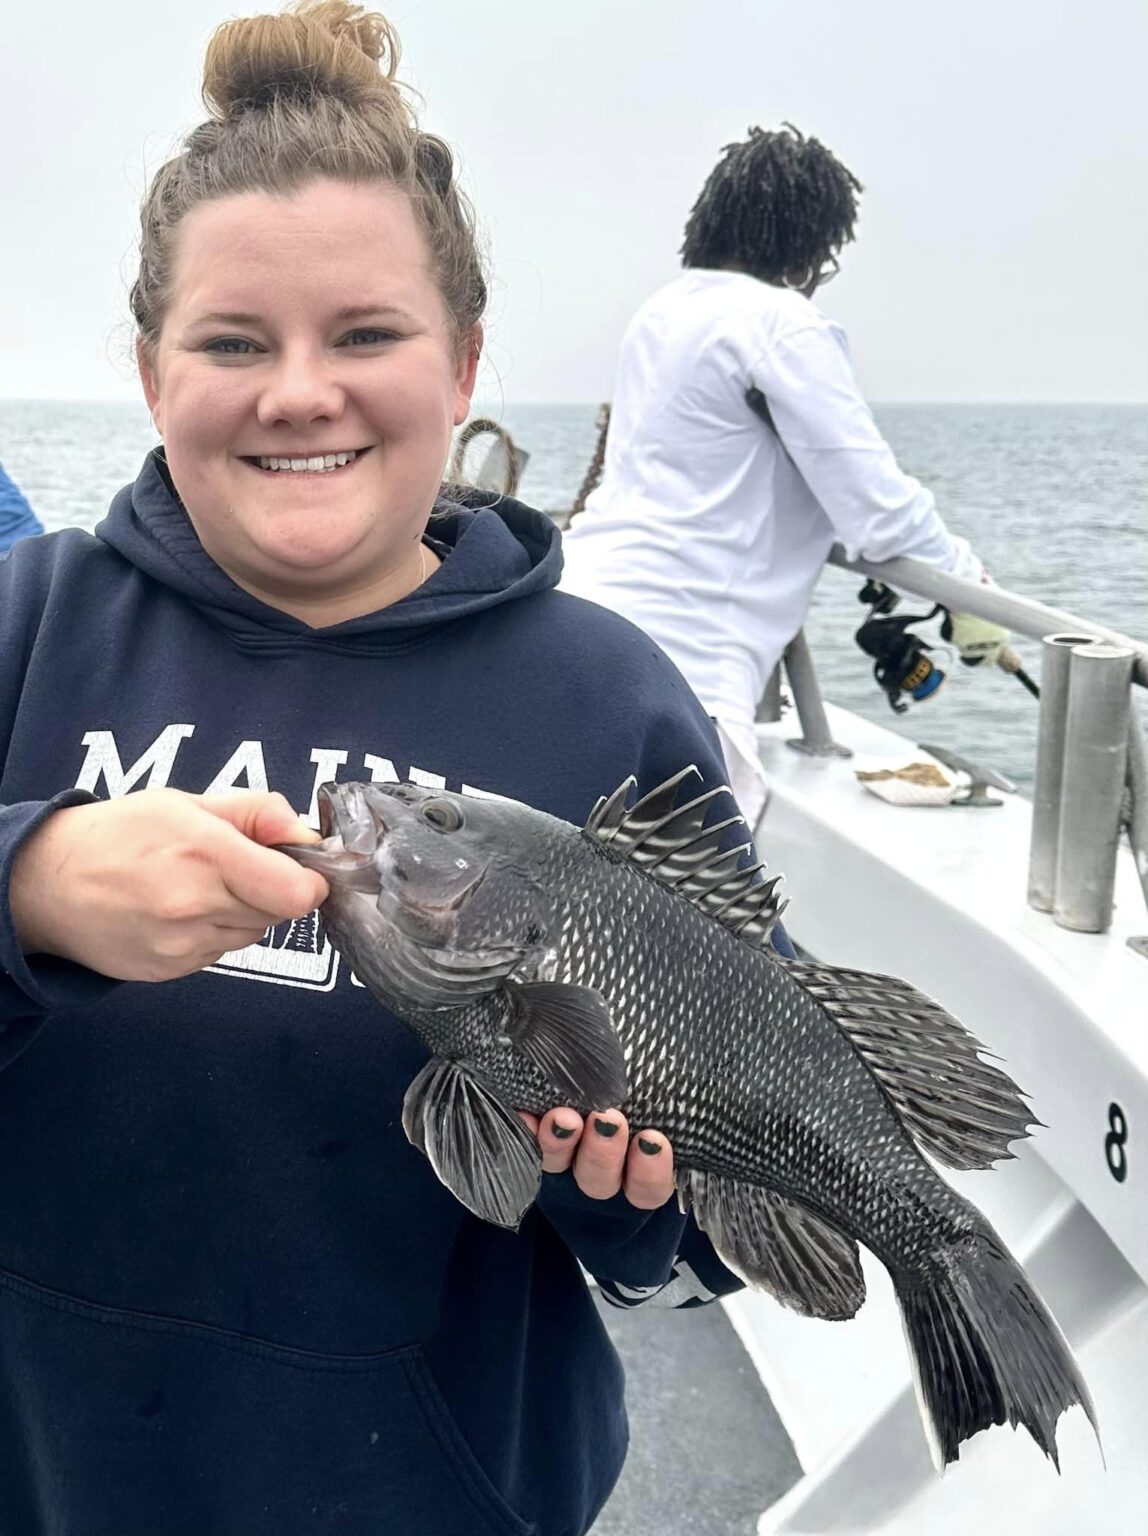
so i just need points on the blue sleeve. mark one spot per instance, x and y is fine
(17, 520)
(636, 1256)
(31, 986)
(34, 986)
(652, 1256)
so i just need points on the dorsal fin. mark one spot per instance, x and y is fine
(674, 844)
(957, 1107)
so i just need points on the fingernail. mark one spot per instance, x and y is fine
(606, 1127)
(650, 1148)
(562, 1132)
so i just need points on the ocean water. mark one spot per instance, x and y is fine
(1053, 498)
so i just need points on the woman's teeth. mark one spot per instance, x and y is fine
(319, 465)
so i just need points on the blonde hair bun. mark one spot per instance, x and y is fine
(295, 98)
(314, 48)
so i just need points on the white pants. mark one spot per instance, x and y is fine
(746, 775)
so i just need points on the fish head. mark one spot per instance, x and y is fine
(431, 900)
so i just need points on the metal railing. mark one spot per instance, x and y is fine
(1092, 766)
(1023, 615)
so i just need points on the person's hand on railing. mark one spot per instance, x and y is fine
(976, 639)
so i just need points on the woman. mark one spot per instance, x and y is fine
(234, 1301)
(740, 447)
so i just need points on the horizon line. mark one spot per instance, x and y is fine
(593, 404)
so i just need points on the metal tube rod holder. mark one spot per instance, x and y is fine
(1092, 786)
(1056, 656)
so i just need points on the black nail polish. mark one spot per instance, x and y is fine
(562, 1132)
(606, 1127)
(650, 1148)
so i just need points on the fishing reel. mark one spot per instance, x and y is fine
(900, 663)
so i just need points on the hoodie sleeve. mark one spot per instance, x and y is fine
(34, 986)
(636, 1256)
(31, 986)
(651, 1256)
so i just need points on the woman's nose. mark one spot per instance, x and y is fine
(299, 390)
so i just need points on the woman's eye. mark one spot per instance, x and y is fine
(369, 337)
(230, 345)
(442, 815)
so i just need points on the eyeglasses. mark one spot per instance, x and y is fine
(811, 281)
(828, 272)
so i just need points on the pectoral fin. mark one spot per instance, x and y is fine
(776, 1245)
(479, 1148)
(566, 1032)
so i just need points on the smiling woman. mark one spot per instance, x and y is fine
(310, 294)
(233, 1296)
(257, 369)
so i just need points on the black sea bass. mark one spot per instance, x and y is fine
(627, 963)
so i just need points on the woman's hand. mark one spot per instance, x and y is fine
(604, 1158)
(160, 883)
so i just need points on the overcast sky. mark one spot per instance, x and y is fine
(1003, 237)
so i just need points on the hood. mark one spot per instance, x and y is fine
(494, 550)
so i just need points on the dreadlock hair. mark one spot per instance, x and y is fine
(776, 205)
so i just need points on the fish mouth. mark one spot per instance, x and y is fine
(359, 819)
(327, 827)
(346, 812)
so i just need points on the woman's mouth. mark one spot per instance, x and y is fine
(312, 464)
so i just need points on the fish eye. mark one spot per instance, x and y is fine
(442, 815)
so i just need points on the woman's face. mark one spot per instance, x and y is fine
(301, 330)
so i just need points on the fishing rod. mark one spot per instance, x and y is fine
(902, 664)
(1008, 661)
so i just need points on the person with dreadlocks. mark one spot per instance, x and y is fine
(740, 447)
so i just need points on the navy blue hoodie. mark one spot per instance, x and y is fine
(234, 1301)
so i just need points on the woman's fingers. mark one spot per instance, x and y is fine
(649, 1175)
(143, 887)
(259, 879)
(265, 817)
(558, 1135)
(600, 1159)
(603, 1157)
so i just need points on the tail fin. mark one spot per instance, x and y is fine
(985, 1349)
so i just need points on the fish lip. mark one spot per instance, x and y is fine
(344, 810)
(326, 811)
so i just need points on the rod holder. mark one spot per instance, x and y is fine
(1092, 784)
(1056, 657)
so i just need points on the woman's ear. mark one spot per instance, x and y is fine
(150, 381)
(466, 372)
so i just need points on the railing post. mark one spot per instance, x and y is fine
(1092, 788)
(1056, 656)
(816, 738)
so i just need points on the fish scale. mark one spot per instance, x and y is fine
(628, 963)
(751, 1049)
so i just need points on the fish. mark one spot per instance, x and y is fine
(628, 963)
